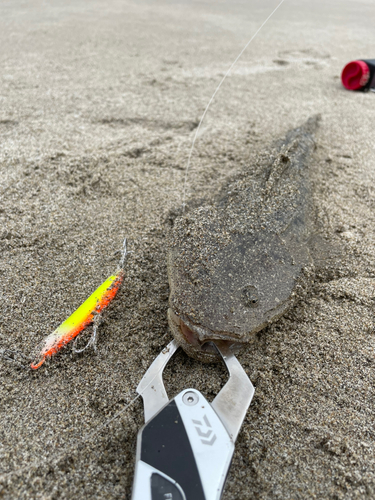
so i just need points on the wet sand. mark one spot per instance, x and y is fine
(99, 104)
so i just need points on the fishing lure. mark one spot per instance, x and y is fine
(86, 314)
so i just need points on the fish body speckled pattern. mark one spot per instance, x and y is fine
(235, 262)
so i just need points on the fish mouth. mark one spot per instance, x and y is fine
(198, 341)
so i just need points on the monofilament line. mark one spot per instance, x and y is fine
(84, 440)
(213, 97)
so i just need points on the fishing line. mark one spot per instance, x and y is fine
(213, 97)
(79, 445)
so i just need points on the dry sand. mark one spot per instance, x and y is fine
(99, 101)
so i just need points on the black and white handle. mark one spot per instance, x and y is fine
(183, 452)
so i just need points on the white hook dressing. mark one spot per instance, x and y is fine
(213, 97)
(124, 254)
(93, 339)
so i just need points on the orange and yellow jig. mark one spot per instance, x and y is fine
(82, 317)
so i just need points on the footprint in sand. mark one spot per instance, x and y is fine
(306, 57)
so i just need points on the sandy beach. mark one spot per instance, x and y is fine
(99, 103)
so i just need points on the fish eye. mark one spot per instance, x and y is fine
(249, 296)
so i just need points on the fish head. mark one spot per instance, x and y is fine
(234, 292)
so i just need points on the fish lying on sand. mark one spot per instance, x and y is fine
(234, 263)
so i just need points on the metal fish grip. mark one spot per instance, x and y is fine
(185, 448)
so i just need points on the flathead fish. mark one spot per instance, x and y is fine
(234, 263)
